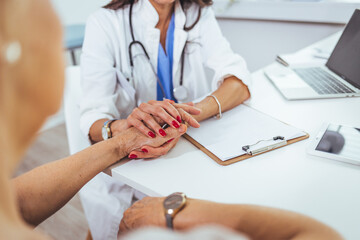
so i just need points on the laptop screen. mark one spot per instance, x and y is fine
(345, 59)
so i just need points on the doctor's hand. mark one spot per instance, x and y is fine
(149, 117)
(135, 140)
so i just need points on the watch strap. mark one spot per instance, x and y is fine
(169, 221)
(109, 126)
(106, 128)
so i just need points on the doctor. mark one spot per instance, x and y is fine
(143, 64)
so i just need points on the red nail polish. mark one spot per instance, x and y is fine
(132, 156)
(172, 101)
(144, 150)
(175, 124)
(162, 132)
(170, 140)
(151, 134)
(178, 118)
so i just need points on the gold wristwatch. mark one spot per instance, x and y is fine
(172, 205)
(106, 130)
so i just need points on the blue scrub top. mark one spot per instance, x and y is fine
(165, 64)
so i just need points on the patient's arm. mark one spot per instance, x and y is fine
(44, 190)
(255, 221)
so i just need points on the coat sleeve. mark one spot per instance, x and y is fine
(98, 74)
(217, 53)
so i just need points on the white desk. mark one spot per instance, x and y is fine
(286, 178)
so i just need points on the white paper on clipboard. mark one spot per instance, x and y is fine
(241, 126)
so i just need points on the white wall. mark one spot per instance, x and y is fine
(320, 11)
(257, 40)
(261, 29)
(260, 41)
(71, 12)
(76, 11)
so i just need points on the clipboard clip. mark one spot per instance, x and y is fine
(251, 150)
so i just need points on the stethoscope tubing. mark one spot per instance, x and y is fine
(134, 42)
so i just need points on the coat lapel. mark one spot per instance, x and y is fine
(180, 38)
(150, 36)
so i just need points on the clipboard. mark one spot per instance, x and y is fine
(261, 146)
(239, 158)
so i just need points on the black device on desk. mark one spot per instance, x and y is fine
(340, 77)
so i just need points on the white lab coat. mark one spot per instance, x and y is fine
(105, 68)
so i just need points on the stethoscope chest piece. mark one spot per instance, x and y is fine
(181, 93)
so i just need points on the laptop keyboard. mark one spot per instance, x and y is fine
(321, 81)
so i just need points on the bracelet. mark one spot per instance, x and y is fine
(219, 115)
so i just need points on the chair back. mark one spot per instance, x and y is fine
(77, 140)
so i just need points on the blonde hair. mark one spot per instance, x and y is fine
(28, 93)
(11, 80)
(26, 96)
(9, 30)
(5, 145)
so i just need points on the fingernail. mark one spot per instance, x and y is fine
(162, 132)
(172, 101)
(132, 156)
(175, 124)
(151, 134)
(144, 150)
(178, 118)
(170, 140)
(183, 128)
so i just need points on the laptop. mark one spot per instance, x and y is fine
(340, 77)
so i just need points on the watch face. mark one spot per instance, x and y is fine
(104, 133)
(173, 201)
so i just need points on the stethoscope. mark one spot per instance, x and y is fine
(181, 92)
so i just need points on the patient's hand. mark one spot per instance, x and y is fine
(146, 212)
(149, 211)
